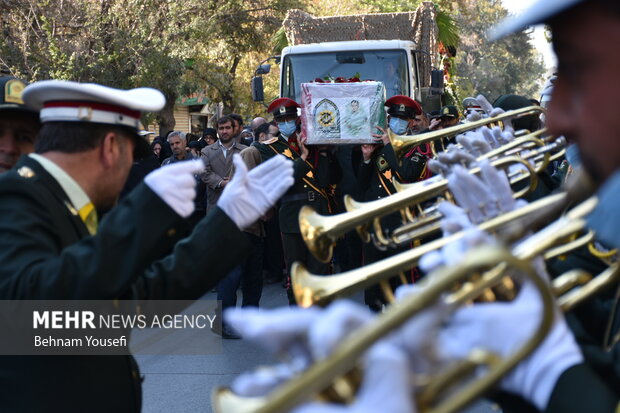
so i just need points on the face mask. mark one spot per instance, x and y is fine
(287, 128)
(398, 125)
(572, 156)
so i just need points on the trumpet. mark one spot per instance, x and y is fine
(344, 359)
(402, 143)
(321, 232)
(311, 289)
(427, 220)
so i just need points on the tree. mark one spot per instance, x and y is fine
(177, 47)
(509, 65)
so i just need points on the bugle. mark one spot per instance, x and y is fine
(310, 289)
(346, 356)
(402, 143)
(320, 233)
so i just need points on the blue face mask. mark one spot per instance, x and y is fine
(287, 128)
(398, 125)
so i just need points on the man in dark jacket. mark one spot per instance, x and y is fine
(53, 248)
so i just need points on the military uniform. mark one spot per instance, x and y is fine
(52, 248)
(311, 188)
(375, 182)
(313, 178)
(46, 252)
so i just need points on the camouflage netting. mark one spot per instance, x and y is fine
(418, 26)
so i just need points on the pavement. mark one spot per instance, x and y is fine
(183, 384)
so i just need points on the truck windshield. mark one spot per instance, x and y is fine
(387, 66)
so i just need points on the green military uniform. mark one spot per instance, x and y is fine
(46, 252)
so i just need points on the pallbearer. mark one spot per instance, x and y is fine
(315, 170)
(380, 165)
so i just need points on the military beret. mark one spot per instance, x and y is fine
(282, 107)
(403, 106)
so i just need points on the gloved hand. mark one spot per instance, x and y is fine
(249, 195)
(482, 197)
(474, 142)
(452, 156)
(299, 335)
(454, 252)
(175, 185)
(503, 327)
(387, 385)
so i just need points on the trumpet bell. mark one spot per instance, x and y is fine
(312, 227)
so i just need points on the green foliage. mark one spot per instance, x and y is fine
(509, 65)
(178, 47)
(447, 30)
(387, 6)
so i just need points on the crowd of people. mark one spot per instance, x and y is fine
(70, 151)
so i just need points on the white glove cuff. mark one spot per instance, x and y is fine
(557, 354)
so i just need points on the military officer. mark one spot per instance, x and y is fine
(53, 248)
(315, 171)
(18, 124)
(380, 164)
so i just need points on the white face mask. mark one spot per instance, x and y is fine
(287, 128)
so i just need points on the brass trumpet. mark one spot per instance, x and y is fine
(321, 232)
(321, 375)
(401, 143)
(311, 289)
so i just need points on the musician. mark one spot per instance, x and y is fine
(555, 378)
(315, 171)
(380, 165)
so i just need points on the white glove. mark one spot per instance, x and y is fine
(446, 160)
(474, 142)
(249, 195)
(485, 197)
(454, 252)
(175, 185)
(302, 335)
(387, 385)
(484, 104)
(503, 328)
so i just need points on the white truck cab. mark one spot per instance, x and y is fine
(392, 62)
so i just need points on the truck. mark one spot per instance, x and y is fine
(365, 46)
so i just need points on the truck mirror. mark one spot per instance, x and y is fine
(258, 94)
(437, 87)
(263, 69)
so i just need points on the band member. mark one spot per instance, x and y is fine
(315, 171)
(380, 164)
